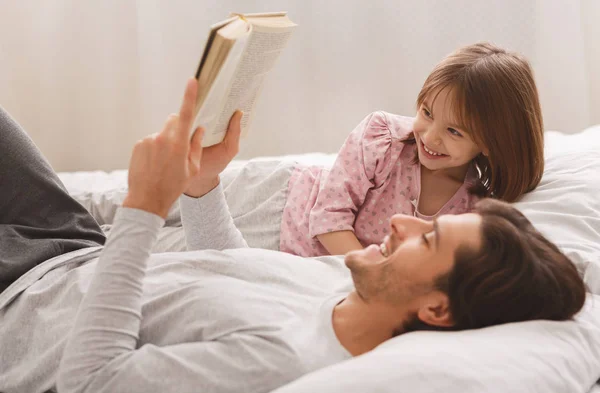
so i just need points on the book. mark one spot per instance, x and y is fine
(239, 53)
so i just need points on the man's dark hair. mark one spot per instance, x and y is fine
(517, 275)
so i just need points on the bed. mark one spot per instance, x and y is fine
(539, 356)
(536, 356)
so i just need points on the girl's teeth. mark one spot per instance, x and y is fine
(430, 152)
(383, 250)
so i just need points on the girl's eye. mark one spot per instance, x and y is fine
(454, 132)
(427, 113)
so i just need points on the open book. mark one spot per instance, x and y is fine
(239, 53)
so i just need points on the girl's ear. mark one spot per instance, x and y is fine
(485, 152)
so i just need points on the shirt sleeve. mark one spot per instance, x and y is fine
(208, 224)
(363, 163)
(108, 321)
(232, 364)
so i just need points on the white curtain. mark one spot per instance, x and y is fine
(88, 78)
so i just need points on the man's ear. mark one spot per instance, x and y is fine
(435, 310)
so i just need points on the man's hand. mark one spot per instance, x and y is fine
(162, 165)
(215, 158)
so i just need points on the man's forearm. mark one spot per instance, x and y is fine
(201, 188)
(207, 222)
(108, 321)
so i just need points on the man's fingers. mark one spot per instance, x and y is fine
(170, 125)
(196, 148)
(186, 113)
(232, 138)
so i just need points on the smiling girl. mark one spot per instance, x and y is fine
(478, 133)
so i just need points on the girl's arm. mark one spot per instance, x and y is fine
(340, 242)
(363, 163)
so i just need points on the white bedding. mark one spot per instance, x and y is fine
(99, 183)
(535, 356)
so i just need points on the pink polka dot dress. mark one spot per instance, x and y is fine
(373, 178)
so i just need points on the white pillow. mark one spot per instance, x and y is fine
(101, 193)
(536, 356)
(565, 207)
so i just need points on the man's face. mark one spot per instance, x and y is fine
(404, 268)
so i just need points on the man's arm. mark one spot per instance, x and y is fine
(207, 222)
(101, 354)
(206, 219)
(227, 365)
(107, 325)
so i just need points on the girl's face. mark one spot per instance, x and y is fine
(441, 142)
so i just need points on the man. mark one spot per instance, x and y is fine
(252, 320)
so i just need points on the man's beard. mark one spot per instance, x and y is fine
(383, 282)
(372, 282)
(362, 282)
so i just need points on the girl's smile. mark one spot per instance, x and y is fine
(428, 153)
(436, 125)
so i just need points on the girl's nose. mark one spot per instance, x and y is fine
(432, 137)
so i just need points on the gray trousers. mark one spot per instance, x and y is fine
(38, 218)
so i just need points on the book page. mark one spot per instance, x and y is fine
(261, 52)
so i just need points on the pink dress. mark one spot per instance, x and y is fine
(373, 178)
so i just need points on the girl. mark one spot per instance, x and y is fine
(478, 133)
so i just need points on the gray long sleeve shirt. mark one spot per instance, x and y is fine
(240, 320)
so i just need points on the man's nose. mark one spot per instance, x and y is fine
(403, 226)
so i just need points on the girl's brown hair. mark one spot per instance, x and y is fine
(496, 100)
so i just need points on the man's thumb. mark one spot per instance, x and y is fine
(235, 129)
(196, 147)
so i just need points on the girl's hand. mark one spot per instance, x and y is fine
(216, 158)
(340, 242)
(162, 165)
